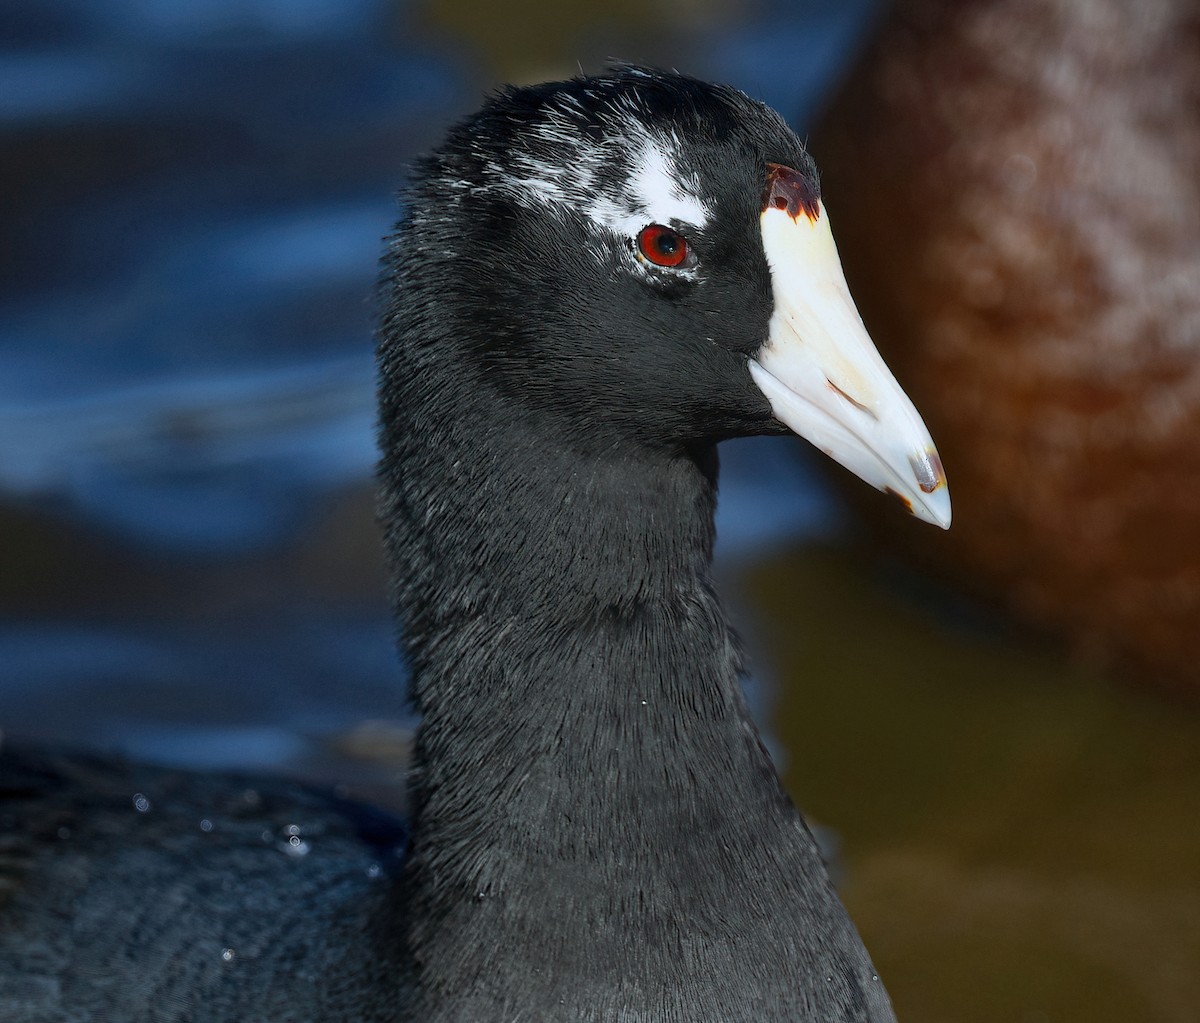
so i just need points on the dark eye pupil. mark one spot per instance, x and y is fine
(667, 243)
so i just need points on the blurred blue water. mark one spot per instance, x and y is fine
(194, 196)
(233, 696)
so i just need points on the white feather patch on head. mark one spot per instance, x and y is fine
(654, 194)
(566, 173)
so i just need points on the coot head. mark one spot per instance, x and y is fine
(643, 258)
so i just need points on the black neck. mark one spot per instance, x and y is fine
(580, 676)
(588, 788)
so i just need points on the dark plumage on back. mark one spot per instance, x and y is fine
(594, 282)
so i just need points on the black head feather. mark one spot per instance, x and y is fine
(533, 206)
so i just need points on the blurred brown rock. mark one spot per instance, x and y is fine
(1015, 187)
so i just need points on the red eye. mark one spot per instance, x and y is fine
(662, 246)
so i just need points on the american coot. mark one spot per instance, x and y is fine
(595, 282)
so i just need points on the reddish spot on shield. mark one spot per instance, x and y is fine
(789, 190)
